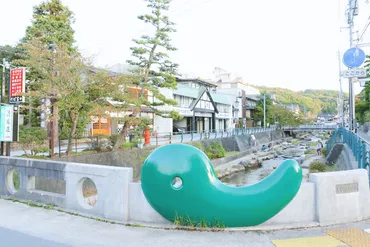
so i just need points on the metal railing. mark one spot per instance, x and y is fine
(311, 127)
(360, 147)
(179, 137)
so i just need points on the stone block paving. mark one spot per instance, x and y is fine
(344, 237)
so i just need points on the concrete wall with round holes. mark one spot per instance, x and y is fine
(99, 191)
(109, 192)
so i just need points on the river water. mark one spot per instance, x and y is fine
(252, 176)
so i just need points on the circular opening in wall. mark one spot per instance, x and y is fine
(177, 183)
(12, 180)
(87, 193)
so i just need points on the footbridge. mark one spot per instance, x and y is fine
(310, 127)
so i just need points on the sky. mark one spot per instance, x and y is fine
(287, 43)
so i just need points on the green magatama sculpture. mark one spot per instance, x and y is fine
(179, 180)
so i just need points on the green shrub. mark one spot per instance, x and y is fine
(97, 142)
(113, 139)
(323, 151)
(39, 150)
(16, 181)
(30, 137)
(316, 167)
(215, 151)
(197, 145)
(127, 145)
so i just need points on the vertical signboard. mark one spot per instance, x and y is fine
(17, 85)
(6, 123)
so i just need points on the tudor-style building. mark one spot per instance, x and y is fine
(203, 109)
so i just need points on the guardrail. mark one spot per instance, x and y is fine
(165, 138)
(359, 146)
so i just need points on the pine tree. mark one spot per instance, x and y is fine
(152, 66)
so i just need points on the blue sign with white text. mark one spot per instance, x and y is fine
(354, 57)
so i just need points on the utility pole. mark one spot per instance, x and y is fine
(264, 110)
(341, 113)
(54, 123)
(351, 95)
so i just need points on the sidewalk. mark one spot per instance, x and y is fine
(365, 136)
(61, 229)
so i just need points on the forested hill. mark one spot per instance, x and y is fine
(314, 101)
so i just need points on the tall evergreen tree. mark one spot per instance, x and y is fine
(152, 66)
(51, 26)
(52, 22)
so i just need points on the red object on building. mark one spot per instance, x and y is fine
(146, 134)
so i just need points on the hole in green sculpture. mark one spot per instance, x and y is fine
(177, 183)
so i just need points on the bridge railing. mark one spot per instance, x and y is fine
(310, 127)
(158, 139)
(359, 146)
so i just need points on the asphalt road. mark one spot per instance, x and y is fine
(17, 239)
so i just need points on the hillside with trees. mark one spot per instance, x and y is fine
(310, 101)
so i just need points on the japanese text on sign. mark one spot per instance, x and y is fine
(17, 85)
(6, 123)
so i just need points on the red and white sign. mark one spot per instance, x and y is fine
(17, 85)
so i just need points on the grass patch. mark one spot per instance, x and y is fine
(181, 220)
(228, 154)
(37, 157)
(310, 152)
(316, 167)
(314, 144)
(134, 225)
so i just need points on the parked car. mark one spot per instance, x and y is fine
(178, 130)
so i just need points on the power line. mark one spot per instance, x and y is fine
(364, 30)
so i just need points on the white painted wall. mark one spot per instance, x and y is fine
(163, 125)
(315, 203)
(139, 208)
(300, 210)
(333, 207)
(111, 203)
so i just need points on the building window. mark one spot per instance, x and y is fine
(182, 101)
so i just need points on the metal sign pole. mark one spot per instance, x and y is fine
(2, 101)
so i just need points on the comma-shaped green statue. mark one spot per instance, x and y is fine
(179, 180)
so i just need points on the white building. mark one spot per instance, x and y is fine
(201, 106)
(243, 96)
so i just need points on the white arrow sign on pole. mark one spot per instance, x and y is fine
(354, 73)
